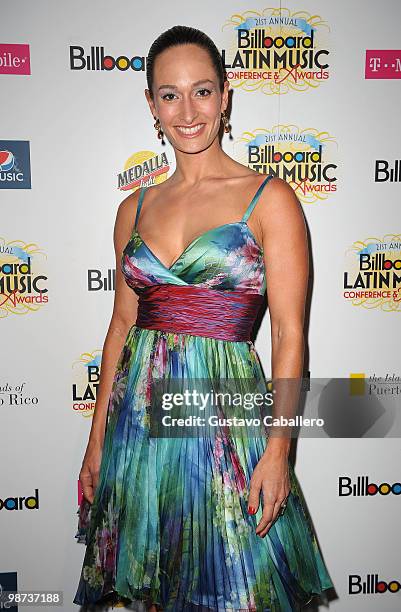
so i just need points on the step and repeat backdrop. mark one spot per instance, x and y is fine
(315, 100)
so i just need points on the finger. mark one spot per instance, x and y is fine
(88, 492)
(266, 516)
(95, 480)
(87, 486)
(254, 497)
(274, 517)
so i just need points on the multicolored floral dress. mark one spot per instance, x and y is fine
(169, 522)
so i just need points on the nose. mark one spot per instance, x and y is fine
(188, 111)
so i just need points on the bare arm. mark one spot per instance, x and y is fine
(287, 268)
(123, 317)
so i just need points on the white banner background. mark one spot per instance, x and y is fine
(82, 127)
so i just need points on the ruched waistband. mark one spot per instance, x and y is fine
(199, 311)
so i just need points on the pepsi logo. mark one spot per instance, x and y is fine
(7, 160)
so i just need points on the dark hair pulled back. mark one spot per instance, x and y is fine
(184, 35)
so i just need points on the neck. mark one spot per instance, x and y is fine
(194, 167)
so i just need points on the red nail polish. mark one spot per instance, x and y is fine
(251, 510)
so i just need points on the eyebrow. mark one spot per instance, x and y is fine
(193, 84)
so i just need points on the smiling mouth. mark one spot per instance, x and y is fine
(190, 131)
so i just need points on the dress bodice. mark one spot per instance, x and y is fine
(226, 257)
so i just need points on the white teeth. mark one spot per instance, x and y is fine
(191, 130)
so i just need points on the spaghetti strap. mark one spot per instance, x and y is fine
(256, 198)
(139, 206)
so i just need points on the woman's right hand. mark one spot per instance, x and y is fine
(89, 473)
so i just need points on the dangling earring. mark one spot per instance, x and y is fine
(226, 124)
(159, 130)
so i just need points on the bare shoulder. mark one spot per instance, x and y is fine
(278, 198)
(279, 188)
(127, 208)
(128, 205)
(125, 217)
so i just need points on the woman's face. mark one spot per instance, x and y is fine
(187, 97)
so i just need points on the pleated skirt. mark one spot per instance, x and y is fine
(169, 522)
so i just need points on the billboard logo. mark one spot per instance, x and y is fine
(14, 59)
(362, 487)
(97, 60)
(371, 585)
(19, 503)
(98, 282)
(15, 164)
(384, 172)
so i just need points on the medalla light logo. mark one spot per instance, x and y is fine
(96, 59)
(143, 168)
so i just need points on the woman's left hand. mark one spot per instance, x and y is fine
(272, 478)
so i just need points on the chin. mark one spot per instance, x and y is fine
(195, 145)
(194, 149)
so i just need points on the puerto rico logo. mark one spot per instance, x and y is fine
(23, 285)
(305, 158)
(15, 165)
(143, 168)
(372, 278)
(276, 51)
(86, 373)
(16, 395)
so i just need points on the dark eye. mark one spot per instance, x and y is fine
(166, 96)
(203, 92)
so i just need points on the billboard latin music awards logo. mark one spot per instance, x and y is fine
(23, 285)
(276, 50)
(383, 64)
(96, 59)
(143, 168)
(15, 164)
(86, 374)
(15, 59)
(372, 277)
(304, 157)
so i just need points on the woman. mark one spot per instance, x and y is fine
(202, 522)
